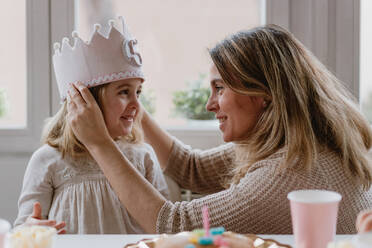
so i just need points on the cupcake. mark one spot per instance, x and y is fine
(197, 239)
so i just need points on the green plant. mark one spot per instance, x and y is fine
(147, 98)
(3, 104)
(191, 103)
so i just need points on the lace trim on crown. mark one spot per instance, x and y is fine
(113, 77)
(109, 78)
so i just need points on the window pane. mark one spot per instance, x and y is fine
(173, 38)
(13, 90)
(365, 58)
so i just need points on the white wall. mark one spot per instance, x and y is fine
(11, 177)
(16, 144)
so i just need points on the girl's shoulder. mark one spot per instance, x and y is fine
(140, 149)
(45, 155)
(44, 162)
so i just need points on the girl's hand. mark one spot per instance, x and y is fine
(36, 219)
(85, 117)
(364, 221)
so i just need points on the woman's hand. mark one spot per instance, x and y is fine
(85, 117)
(364, 221)
(36, 219)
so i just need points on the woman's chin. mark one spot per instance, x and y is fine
(226, 138)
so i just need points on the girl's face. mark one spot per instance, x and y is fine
(237, 113)
(120, 106)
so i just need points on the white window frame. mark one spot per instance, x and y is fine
(49, 21)
(17, 141)
(329, 28)
(62, 19)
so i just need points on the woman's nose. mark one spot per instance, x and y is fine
(211, 104)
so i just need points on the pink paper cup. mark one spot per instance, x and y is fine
(314, 217)
(4, 229)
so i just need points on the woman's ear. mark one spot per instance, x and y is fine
(266, 101)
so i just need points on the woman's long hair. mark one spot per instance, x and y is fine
(58, 133)
(308, 106)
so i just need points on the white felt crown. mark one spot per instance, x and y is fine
(101, 60)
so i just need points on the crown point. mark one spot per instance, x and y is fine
(97, 27)
(111, 22)
(75, 34)
(57, 46)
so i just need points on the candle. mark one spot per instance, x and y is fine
(206, 220)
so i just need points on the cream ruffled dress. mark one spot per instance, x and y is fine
(79, 194)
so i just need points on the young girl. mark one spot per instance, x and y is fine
(62, 183)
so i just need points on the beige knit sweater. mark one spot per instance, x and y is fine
(258, 204)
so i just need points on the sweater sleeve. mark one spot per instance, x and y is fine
(256, 205)
(200, 171)
(154, 173)
(37, 186)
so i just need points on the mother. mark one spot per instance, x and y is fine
(292, 125)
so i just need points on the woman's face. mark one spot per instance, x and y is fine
(120, 106)
(237, 113)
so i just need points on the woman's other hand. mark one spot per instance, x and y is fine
(85, 116)
(36, 219)
(364, 221)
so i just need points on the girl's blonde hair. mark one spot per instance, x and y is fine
(308, 106)
(58, 133)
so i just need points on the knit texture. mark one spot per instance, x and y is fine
(258, 203)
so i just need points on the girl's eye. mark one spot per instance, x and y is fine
(139, 93)
(124, 92)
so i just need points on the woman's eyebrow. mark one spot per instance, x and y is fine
(216, 80)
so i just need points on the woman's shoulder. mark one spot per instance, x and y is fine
(224, 148)
(275, 158)
(270, 164)
(324, 154)
(274, 162)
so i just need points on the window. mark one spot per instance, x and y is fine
(13, 91)
(173, 37)
(365, 58)
(25, 74)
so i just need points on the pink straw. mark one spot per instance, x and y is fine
(206, 220)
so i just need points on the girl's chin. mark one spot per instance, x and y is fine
(123, 133)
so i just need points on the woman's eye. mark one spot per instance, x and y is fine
(218, 88)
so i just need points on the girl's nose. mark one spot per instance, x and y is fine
(134, 103)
